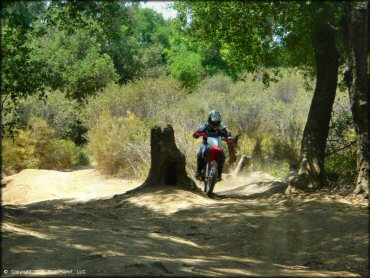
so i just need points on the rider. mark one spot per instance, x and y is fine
(213, 128)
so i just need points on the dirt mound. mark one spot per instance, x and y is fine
(168, 200)
(254, 185)
(32, 185)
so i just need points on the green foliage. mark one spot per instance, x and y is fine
(187, 68)
(152, 27)
(73, 62)
(84, 50)
(77, 48)
(80, 48)
(82, 156)
(341, 160)
(152, 65)
(19, 76)
(255, 36)
(205, 55)
(342, 166)
(283, 150)
(36, 147)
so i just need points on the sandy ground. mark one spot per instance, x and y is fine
(56, 223)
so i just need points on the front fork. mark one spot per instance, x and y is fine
(207, 168)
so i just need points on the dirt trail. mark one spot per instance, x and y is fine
(68, 222)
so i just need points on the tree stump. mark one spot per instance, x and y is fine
(167, 162)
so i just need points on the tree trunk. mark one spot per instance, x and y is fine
(357, 15)
(311, 163)
(167, 162)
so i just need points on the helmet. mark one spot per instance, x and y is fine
(214, 118)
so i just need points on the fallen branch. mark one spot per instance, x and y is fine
(341, 149)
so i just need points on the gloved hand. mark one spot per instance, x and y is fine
(221, 133)
(196, 135)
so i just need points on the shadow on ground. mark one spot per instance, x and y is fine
(224, 237)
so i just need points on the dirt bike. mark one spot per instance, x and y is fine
(213, 156)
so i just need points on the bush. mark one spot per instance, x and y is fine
(19, 154)
(217, 83)
(342, 165)
(82, 156)
(36, 147)
(341, 160)
(276, 115)
(59, 112)
(147, 98)
(120, 145)
(283, 150)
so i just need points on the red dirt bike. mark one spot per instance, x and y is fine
(213, 156)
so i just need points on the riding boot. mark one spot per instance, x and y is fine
(220, 166)
(200, 164)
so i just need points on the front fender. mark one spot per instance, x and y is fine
(215, 151)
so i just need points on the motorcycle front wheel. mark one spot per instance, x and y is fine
(211, 178)
(206, 177)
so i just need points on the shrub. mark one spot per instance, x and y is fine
(217, 83)
(341, 160)
(36, 147)
(18, 154)
(146, 98)
(82, 156)
(120, 145)
(276, 115)
(342, 165)
(59, 112)
(283, 150)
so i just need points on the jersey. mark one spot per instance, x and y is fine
(212, 131)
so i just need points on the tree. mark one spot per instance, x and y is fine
(72, 62)
(357, 77)
(18, 74)
(259, 36)
(187, 68)
(190, 58)
(135, 39)
(316, 130)
(153, 33)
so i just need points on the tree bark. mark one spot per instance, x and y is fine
(167, 162)
(311, 162)
(357, 16)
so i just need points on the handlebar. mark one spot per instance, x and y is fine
(233, 140)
